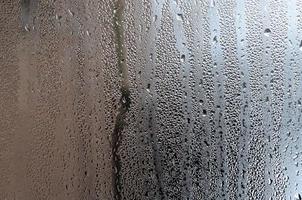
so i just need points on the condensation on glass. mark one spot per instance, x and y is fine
(150, 99)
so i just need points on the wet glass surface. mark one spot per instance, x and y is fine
(150, 99)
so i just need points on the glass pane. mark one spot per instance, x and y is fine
(150, 99)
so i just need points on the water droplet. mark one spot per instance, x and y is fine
(151, 56)
(212, 3)
(148, 87)
(26, 27)
(300, 46)
(179, 17)
(182, 58)
(58, 17)
(267, 32)
(298, 197)
(201, 102)
(215, 39)
(155, 18)
(70, 12)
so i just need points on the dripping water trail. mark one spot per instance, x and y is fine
(124, 102)
(28, 9)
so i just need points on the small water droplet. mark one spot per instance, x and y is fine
(215, 40)
(148, 87)
(182, 58)
(204, 112)
(212, 3)
(70, 12)
(267, 32)
(298, 197)
(151, 56)
(244, 85)
(179, 17)
(58, 17)
(155, 18)
(300, 46)
(26, 27)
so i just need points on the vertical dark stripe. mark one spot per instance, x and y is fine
(124, 102)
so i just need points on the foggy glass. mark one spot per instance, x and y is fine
(150, 99)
